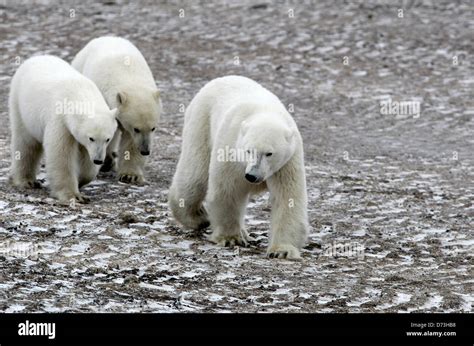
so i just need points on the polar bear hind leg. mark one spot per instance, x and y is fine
(190, 182)
(26, 154)
(186, 197)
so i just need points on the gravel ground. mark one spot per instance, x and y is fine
(395, 190)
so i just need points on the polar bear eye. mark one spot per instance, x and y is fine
(107, 140)
(91, 139)
(268, 154)
(136, 130)
(153, 129)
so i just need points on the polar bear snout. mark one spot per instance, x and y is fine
(97, 153)
(255, 170)
(98, 157)
(142, 141)
(253, 178)
(144, 144)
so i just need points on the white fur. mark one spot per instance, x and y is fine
(124, 78)
(238, 113)
(38, 122)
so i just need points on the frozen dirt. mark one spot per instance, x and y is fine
(396, 190)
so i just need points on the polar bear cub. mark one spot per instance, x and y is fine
(124, 78)
(55, 109)
(239, 139)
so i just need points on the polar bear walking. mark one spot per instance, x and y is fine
(124, 78)
(55, 109)
(239, 139)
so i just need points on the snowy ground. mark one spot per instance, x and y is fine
(398, 189)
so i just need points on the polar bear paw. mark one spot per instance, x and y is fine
(230, 240)
(201, 219)
(132, 178)
(70, 199)
(283, 251)
(25, 183)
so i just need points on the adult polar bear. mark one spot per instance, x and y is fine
(55, 108)
(124, 78)
(235, 113)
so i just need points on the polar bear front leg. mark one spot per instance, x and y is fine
(86, 168)
(289, 219)
(62, 155)
(131, 162)
(26, 152)
(226, 208)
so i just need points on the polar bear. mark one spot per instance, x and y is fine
(55, 109)
(238, 140)
(124, 78)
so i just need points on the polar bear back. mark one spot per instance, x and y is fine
(114, 64)
(223, 95)
(43, 81)
(225, 92)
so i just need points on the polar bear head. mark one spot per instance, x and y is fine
(268, 143)
(138, 113)
(94, 131)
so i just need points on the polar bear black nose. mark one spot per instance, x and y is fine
(145, 153)
(98, 162)
(251, 178)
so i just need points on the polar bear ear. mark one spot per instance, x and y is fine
(121, 98)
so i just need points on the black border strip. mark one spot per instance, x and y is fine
(223, 329)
